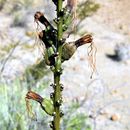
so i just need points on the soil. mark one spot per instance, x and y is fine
(108, 100)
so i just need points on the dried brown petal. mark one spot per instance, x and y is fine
(34, 96)
(84, 40)
(37, 15)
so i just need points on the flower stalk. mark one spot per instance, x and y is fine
(57, 51)
(58, 70)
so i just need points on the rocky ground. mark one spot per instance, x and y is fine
(107, 94)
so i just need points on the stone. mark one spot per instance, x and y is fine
(115, 117)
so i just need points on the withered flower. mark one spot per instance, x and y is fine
(34, 96)
(84, 40)
(46, 104)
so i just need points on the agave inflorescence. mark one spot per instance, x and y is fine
(57, 50)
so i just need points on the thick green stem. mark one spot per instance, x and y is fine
(57, 89)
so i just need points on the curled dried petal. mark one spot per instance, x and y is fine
(84, 40)
(34, 96)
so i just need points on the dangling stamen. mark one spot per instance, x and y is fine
(30, 112)
(72, 5)
(92, 57)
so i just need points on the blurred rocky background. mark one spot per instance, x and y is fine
(100, 103)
